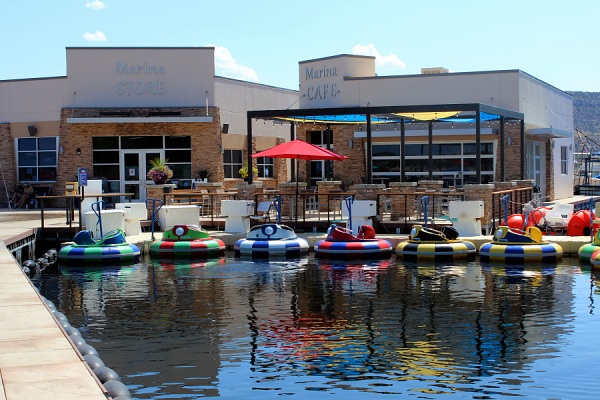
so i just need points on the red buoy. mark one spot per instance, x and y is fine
(580, 223)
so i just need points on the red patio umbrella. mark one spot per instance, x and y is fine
(299, 150)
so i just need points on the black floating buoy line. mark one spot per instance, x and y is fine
(108, 377)
(34, 267)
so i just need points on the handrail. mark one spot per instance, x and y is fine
(396, 208)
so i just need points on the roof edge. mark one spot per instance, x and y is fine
(336, 56)
(141, 48)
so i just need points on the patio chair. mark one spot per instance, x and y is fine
(263, 212)
(311, 200)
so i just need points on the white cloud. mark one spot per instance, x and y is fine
(389, 62)
(95, 37)
(227, 66)
(95, 4)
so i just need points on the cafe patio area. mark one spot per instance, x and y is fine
(391, 209)
(394, 208)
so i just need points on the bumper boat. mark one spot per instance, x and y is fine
(586, 251)
(595, 259)
(271, 240)
(432, 244)
(425, 243)
(189, 241)
(511, 245)
(342, 243)
(112, 248)
(517, 246)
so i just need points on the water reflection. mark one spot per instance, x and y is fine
(245, 329)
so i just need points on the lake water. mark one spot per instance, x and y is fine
(306, 328)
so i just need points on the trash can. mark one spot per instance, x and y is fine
(134, 213)
(170, 216)
(237, 213)
(111, 220)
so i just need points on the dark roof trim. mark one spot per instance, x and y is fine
(507, 71)
(33, 79)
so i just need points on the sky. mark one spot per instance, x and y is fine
(260, 41)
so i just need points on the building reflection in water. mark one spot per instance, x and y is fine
(170, 328)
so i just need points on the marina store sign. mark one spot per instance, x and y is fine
(321, 91)
(140, 87)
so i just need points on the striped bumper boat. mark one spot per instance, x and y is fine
(187, 241)
(516, 246)
(595, 259)
(432, 244)
(585, 252)
(342, 243)
(271, 240)
(110, 250)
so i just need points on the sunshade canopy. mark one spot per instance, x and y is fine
(468, 113)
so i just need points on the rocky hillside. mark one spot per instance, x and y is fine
(586, 107)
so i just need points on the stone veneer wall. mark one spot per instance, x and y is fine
(7, 161)
(402, 206)
(512, 163)
(287, 190)
(550, 171)
(366, 191)
(348, 171)
(481, 192)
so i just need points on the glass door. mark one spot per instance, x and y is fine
(320, 171)
(135, 164)
(537, 165)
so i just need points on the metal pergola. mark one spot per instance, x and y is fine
(471, 112)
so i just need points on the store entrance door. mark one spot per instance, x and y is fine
(135, 164)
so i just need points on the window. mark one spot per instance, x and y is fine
(320, 138)
(451, 161)
(564, 156)
(265, 167)
(232, 162)
(321, 170)
(37, 159)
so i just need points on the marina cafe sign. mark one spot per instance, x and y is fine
(140, 80)
(320, 83)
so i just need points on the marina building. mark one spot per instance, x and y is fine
(119, 108)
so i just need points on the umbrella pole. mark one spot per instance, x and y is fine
(296, 206)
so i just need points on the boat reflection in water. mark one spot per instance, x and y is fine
(244, 329)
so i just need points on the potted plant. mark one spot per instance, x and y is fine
(203, 175)
(160, 171)
(243, 172)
